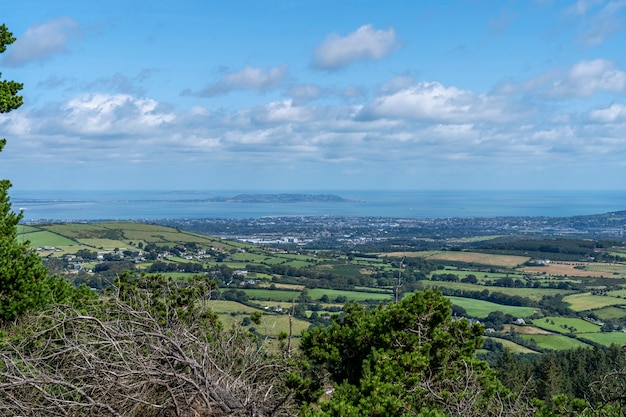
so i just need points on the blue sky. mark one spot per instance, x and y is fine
(316, 95)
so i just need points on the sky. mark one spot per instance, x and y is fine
(316, 95)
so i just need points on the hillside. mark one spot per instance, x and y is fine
(514, 278)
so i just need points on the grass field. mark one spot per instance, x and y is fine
(21, 228)
(45, 238)
(508, 261)
(565, 270)
(617, 293)
(510, 328)
(482, 276)
(563, 325)
(607, 339)
(587, 301)
(222, 306)
(271, 295)
(125, 232)
(481, 309)
(531, 293)
(317, 293)
(512, 346)
(271, 324)
(249, 257)
(610, 313)
(609, 270)
(555, 341)
(293, 287)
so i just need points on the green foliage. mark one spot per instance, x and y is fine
(168, 299)
(9, 99)
(410, 358)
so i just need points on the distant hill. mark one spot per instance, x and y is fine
(284, 198)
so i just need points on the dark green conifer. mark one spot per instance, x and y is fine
(24, 281)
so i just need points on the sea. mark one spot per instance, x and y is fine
(81, 205)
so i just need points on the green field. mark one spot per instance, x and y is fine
(21, 228)
(507, 261)
(481, 309)
(317, 293)
(511, 346)
(271, 324)
(534, 294)
(587, 301)
(610, 313)
(39, 239)
(610, 269)
(271, 295)
(564, 324)
(223, 306)
(125, 232)
(617, 293)
(555, 341)
(607, 338)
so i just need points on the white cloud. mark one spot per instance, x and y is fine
(249, 78)
(42, 42)
(583, 79)
(433, 102)
(614, 113)
(282, 112)
(104, 114)
(397, 83)
(366, 43)
(303, 93)
(588, 77)
(596, 27)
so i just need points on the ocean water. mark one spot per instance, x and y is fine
(136, 205)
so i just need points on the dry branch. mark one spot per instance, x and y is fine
(124, 363)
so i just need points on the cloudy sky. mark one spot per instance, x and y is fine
(316, 94)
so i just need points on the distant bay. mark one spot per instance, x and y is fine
(144, 205)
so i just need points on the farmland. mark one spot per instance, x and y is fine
(311, 285)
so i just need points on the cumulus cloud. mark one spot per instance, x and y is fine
(434, 102)
(613, 113)
(249, 78)
(283, 112)
(366, 43)
(105, 114)
(42, 42)
(587, 77)
(583, 79)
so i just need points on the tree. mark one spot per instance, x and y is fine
(9, 99)
(406, 359)
(24, 281)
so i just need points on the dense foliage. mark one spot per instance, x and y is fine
(405, 359)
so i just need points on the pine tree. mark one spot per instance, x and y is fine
(23, 279)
